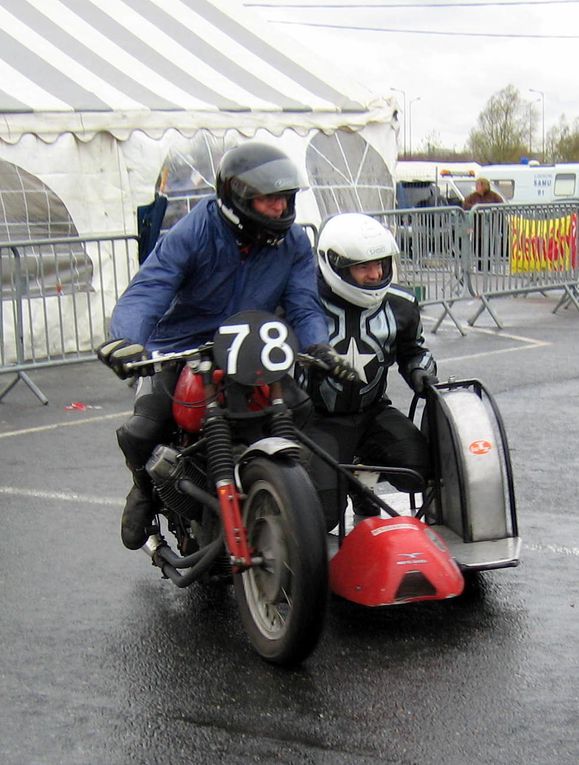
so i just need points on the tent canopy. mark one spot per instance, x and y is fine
(88, 66)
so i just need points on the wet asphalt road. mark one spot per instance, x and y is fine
(102, 662)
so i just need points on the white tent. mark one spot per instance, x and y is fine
(103, 101)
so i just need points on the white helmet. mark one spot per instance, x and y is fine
(347, 240)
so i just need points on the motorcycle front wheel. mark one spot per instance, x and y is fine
(283, 600)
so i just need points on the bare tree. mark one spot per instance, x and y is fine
(503, 128)
(563, 141)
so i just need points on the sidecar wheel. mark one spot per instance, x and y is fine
(283, 601)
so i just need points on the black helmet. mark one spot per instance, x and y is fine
(252, 170)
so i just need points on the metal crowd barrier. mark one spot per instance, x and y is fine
(57, 299)
(431, 242)
(58, 294)
(448, 255)
(519, 249)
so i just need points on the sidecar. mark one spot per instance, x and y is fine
(465, 519)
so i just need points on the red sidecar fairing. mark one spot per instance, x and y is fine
(395, 560)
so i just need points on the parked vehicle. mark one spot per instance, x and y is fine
(433, 184)
(533, 183)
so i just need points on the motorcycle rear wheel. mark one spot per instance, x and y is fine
(283, 601)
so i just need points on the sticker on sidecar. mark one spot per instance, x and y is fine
(481, 446)
(255, 347)
(393, 527)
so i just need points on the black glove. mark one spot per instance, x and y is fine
(337, 365)
(116, 353)
(420, 379)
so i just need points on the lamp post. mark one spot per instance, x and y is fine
(540, 93)
(412, 101)
(398, 90)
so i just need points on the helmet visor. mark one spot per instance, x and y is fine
(276, 177)
(385, 279)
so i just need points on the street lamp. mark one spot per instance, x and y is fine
(398, 90)
(412, 101)
(540, 93)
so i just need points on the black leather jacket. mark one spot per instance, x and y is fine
(372, 339)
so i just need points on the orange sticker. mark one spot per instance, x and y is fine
(480, 447)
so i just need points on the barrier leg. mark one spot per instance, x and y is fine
(569, 296)
(25, 379)
(485, 304)
(447, 312)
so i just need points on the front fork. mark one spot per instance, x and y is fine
(221, 466)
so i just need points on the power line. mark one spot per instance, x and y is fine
(509, 35)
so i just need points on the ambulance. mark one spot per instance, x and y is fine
(531, 183)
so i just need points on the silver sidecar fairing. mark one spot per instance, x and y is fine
(474, 504)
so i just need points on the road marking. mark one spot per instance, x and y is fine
(529, 344)
(557, 549)
(110, 501)
(67, 424)
(87, 499)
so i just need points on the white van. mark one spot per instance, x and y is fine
(527, 184)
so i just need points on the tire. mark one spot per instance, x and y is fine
(283, 602)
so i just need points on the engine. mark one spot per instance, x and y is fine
(166, 467)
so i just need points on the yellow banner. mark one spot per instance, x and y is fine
(543, 245)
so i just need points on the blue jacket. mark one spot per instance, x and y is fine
(196, 277)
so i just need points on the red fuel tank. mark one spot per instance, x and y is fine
(189, 401)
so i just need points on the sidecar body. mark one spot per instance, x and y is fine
(465, 519)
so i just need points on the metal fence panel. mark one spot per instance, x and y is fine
(431, 242)
(515, 248)
(58, 295)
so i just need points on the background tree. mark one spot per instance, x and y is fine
(563, 141)
(502, 130)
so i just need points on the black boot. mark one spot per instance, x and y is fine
(137, 517)
(362, 507)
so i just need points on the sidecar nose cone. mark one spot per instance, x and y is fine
(394, 560)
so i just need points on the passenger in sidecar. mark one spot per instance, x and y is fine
(456, 456)
(372, 323)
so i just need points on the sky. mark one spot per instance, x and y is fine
(447, 79)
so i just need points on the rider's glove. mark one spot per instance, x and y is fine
(116, 353)
(420, 380)
(337, 365)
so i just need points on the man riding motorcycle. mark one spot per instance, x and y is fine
(372, 324)
(234, 251)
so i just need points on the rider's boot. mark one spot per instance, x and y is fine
(362, 507)
(139, 512)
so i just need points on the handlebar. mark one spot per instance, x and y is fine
(191, 353)
(163, 358)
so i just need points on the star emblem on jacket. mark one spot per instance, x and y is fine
(357, 359)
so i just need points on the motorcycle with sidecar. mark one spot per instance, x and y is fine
(233, 494)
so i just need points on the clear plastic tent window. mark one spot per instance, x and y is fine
(344, 172)
(30, 210)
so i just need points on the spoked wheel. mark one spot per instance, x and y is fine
(283, 600)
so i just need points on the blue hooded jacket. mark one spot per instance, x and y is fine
(197, 276)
